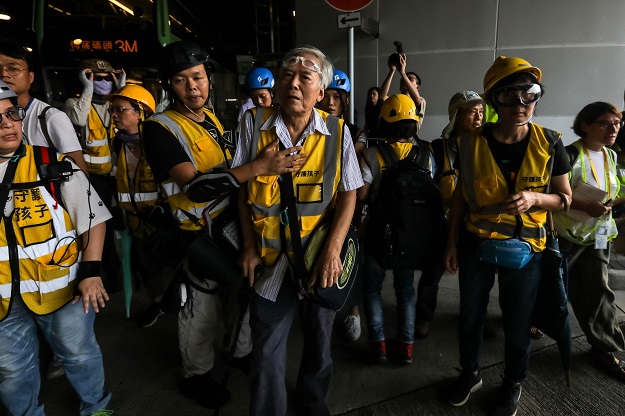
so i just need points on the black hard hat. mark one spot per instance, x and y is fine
(180, 55)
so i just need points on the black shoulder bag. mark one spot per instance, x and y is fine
(335, 296)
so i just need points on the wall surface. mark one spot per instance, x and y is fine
(451, 43)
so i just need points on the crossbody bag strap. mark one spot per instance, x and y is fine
(5, 187)
(288, 216)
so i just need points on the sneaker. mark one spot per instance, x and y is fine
(352, 327)
(55, 369)
(205, 390)
(103, 412)
(421, 329)
(377, 352)
(462, 388)
(150, 316)
(507, 400)
(405, 352)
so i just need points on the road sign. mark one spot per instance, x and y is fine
(349, 20)
(349, 5)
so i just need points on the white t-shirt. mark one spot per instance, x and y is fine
(62, 133)
(598, 162)
(86, 211)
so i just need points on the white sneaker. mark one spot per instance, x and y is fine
(352, 327)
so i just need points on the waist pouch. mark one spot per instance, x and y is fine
(512, 253)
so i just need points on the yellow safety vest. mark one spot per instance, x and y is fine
(584, 232)
(315, 185)
(144, 192)
(448, 177)
(485, 188)
(205, 154)
(377, 164)
(96, 150)
(42, 241)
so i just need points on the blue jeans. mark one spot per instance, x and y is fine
(404, 292)
(70, 334)
(517, 295)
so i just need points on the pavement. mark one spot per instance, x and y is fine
(143, 368)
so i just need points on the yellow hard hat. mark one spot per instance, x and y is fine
(398, 107)
(501, 68)
(137, 94)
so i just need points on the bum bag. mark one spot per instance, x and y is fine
(512, 253)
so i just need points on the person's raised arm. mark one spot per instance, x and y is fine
(386, 85)
(413, 90)
(77, 109)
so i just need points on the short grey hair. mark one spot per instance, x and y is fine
(327, 69)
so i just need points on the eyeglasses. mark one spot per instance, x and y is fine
(102, 78)
(603, 125)
(118, 109)
(524, 94)
(15, 114)
(306, 63)
(12, 70)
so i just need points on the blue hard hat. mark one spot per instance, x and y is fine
(340, 81)
(259, 78)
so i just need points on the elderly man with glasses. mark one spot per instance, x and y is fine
(326, 182)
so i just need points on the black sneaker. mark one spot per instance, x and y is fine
(462, 388)
(150, 316)
(508, 399)
(205, 390)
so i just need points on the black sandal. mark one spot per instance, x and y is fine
(615, 368)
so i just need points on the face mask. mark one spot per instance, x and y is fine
(128, 139)
(103, 87)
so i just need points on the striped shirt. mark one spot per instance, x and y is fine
(268, 285)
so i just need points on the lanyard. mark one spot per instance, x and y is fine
(594, 171)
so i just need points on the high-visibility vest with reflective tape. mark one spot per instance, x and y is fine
(315, 185)
(144, 192)
(96, 149)
(47, 249)
(485, 188)
(204, 152)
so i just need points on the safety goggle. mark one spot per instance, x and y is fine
(524, 94)
(306, 63)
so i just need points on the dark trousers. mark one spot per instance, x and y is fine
(270, 323)
(427, 290)
(517, 295)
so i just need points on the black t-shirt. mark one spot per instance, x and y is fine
(510, 157)
(163, 150)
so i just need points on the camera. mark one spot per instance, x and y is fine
(394, 58)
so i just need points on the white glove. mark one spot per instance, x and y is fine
(85, 81)
(120, 81)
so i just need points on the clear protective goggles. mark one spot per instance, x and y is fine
(306, 63)
(524, 94)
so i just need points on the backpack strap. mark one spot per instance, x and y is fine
(45, 156)
(573, 153)
(44, 126)
(388, 155)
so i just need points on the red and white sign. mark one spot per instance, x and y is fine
(349, 5)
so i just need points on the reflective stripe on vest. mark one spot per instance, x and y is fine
(145, 192)
(44, 235)
(584, 232)
(205, 153)
(97, 153)
(315, 184)
(485, 188)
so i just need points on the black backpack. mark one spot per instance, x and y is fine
(407, 228)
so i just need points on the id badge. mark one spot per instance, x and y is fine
(601, 237)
